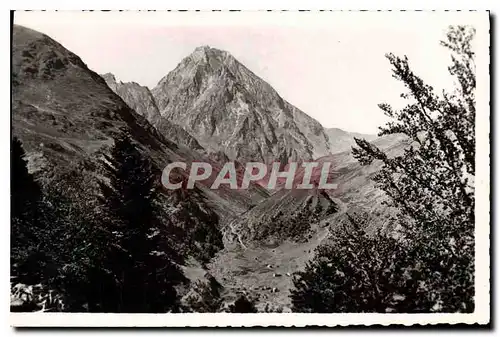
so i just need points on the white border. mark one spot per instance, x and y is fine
(236, 320)
(481, 315)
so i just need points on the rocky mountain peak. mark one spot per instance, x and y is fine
(110, 80)
(207, 53)
(203, 62)
(228, 108)
(109, 77)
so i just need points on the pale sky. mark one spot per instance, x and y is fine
(330, 65)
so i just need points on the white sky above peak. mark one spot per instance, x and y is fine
(331, 65)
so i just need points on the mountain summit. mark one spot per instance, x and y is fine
(230, 109)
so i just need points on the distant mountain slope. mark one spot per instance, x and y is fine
(230, 109)
(290, 214)
(341, 140)
(268, 244)
(142, 101)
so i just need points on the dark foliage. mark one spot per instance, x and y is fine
(202, 237)
(27, 229)
(297, 224)
(243, 305)
(81, 240)
(144, 274)
(359, 273)
(206, 296)
(51, 235)
(430, 267)
(104, 253)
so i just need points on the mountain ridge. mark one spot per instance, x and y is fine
(341, 140)
(140, 99)
(66, 116)
(229, 108)
(206, 61)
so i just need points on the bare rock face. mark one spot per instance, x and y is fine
(136, 96)
(230, 109)
(140, 99)
(178, 135)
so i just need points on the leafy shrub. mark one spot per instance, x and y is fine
(431, 265)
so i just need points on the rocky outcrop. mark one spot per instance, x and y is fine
(140, 99)
(230, 109)
(136, 96)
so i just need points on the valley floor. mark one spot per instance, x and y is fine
(265, 272)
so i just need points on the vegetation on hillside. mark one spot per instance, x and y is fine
(97, 237)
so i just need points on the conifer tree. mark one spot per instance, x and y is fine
(27, 259)
(144, 273)
(243, 305)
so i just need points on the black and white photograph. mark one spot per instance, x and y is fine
(265, 168)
